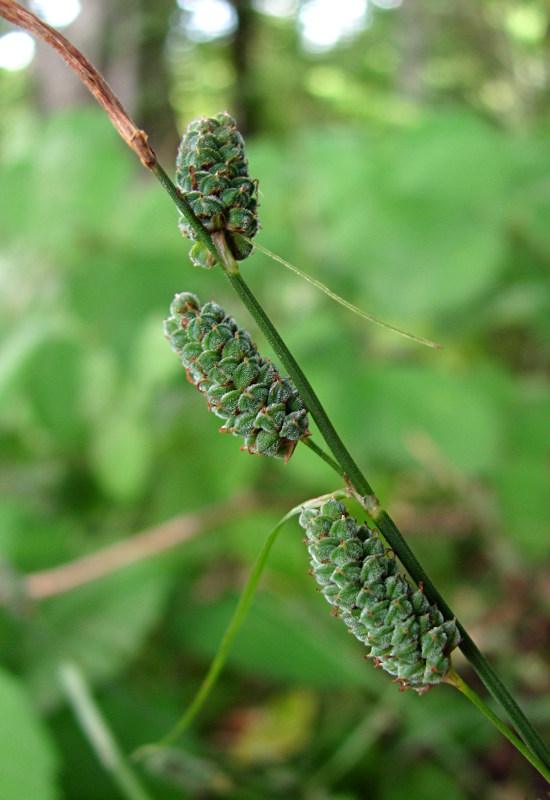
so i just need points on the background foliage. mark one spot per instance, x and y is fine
(406, 167)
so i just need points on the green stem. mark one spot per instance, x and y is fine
(222, 653)
(474, 655)
(307, 393)
(186, 210)
(386, 525)
(235, 624)
(350, 471)
(455, 680)
(325, 456)
(98, 734)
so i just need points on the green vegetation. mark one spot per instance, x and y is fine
(438, 224)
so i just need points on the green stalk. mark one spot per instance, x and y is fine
(347, 468)
(307, 393)
(312, 445)
(235, 624)
(386, 525)
(186, 210)
(137, 140)
(455, 680)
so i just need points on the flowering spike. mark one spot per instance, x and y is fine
(243, 389)
(407, 635)
(212, 174)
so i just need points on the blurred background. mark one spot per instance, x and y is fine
(403, 159)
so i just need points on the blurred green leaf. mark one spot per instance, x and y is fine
(53, 379)
(460, 414)
(522, 476)
(19, 345)
(525, 503)
(121, 454)
(281, 641)
(28, 760)
(100, 626)
(83, 147)
(430, 782)
(417, 214)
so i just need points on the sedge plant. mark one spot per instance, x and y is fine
(365, 569)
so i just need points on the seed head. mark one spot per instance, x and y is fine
(241, 387)
(212, 174)
(407, 635)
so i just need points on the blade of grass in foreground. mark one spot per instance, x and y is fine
(233, 628)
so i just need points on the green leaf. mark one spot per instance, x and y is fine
(403, 406)
(525, 503)
(28, 761)
(430, 782)
(521, 477)
(121, 454)
(83, 147)
(19, 346)
(53, 378)
(418, 215)
(280, 641)
(100, 626)
(152, 361)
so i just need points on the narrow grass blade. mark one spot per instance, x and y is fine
(234, 626)
(345, 303)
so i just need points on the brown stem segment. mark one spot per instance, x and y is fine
(96, 83)
(140, 547)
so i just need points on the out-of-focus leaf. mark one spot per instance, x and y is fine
(121, 454)
(282, 642)
(28, 761)
(419, 214)
(522, 476)
(426, 780)
(83, 148)
(16, 349)
(525, 503)
(459, 413)
(100, 626)
(121, 447)
(533, 192)
(53, 378)
(152, 361)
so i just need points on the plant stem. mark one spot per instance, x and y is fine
(307, 393)
(348, 469)
(455, 680)
(308, 442)
(98, 734)
(388, 528)
(137, 140)
(236, 622)
(186, 210)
